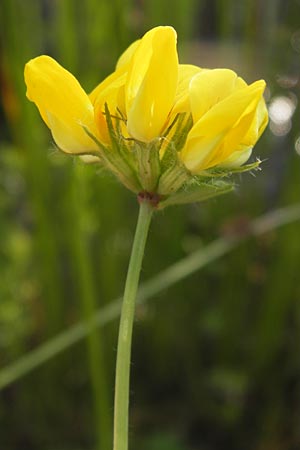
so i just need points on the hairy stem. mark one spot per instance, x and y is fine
(126, 325)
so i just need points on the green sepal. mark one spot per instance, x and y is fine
(195, 191)
(220, 172)
(173, 178)
(148, 164)
(183, 123)
(116, 163)
(121, 146)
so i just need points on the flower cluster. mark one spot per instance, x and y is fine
(167, 130)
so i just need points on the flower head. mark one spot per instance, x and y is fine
(166, 129)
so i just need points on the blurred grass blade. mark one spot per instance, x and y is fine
(78, 241)
(166, 278)
(56, 345)
(67, 26)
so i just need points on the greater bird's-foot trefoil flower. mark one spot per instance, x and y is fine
(168, 131)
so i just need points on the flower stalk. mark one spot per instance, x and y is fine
(121, 407)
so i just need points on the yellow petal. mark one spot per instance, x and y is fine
(256, 129)
(260, 121)
(139, 65)
(112, 94)
(236, 159)
(151, 84)
(221, 130)
(110, 79)
(182, 98)
(62, 103)
(126, 56)
(90, 159)
(209, 88)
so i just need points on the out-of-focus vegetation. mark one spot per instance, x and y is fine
(216, 358)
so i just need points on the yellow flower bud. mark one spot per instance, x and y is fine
(228, 118)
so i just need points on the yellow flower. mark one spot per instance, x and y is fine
(228, 118)
(146, 78)
(155, 123)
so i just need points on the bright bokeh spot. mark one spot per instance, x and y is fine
(281, 111)
(295, 41)
(297, 145)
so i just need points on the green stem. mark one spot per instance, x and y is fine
(125, 329)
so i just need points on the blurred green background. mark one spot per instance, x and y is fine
(216, 358)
